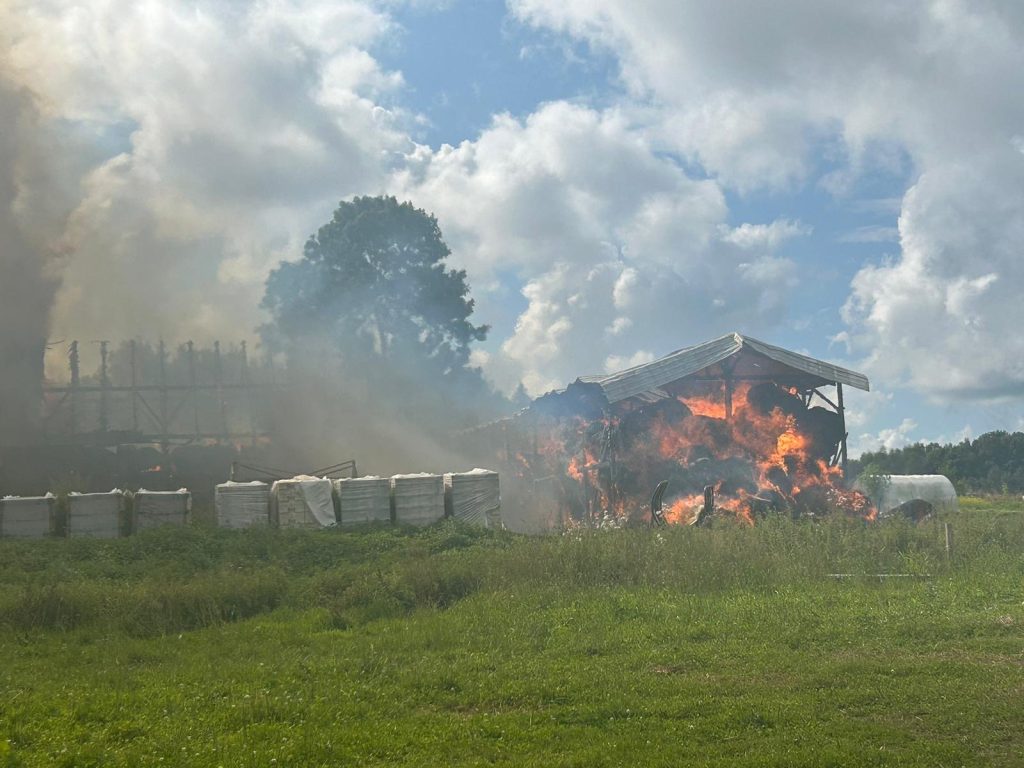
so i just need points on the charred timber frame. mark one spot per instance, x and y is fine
(161, 417)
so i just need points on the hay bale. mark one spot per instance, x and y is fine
(419, 499)
(303, 502)
(96, 515)
(474, 497)
(153, 509)
(27, 517)
(242, 505)
(891, 492)
(364, 500)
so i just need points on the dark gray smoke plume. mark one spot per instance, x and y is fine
(27, 281)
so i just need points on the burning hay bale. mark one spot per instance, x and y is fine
(750, 420)
(771, 453)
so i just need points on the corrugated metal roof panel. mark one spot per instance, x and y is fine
(685, 362)
(806, 364)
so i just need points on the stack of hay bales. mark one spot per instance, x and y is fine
(474, 497)
(242, 505)
(96, 515)
(154, 509)
(418, 499)
(303, 502)
(364, 500)
(27, 517)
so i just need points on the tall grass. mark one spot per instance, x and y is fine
(145, 608)
(172, 580)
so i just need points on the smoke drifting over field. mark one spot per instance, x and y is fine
(27, 276)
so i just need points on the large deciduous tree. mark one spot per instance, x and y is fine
(374, 282)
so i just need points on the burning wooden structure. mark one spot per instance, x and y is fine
(762, 427)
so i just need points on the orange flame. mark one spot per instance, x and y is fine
(771, 462)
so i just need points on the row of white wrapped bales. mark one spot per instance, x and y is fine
(299, 502)
(93, 515)
(310, 502)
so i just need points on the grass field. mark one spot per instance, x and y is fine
(728, 646)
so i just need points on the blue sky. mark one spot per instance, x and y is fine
(619, 179)
(468, 61)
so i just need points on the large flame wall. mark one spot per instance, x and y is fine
(762, 447)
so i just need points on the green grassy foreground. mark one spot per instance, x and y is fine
(450, 646)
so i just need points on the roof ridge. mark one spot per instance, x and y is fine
(683, 362)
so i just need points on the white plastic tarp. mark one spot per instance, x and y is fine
(419, 499)
(97, 515)
(304, 502)
(474, 495)
(242, 505)
(364, 500)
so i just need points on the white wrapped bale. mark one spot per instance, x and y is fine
(474, 497)
(154, 509)
(303, 502)
(364, 500)
(242, 505)
(26, 517)
(891, 492)
(419, 499)
(96, 515)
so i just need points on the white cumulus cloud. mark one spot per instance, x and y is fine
(618, 248)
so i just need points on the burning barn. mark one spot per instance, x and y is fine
(755, 427)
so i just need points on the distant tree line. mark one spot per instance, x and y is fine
(993, 463)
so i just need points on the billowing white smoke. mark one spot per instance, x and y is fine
(28, 261)
(219, 134)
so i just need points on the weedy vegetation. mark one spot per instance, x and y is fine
(792, 643)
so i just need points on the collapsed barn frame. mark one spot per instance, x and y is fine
(719, 367)
(209, 406)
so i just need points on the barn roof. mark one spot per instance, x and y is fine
(754, 360)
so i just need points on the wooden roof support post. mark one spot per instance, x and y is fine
(728, 366)
(842, 417)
